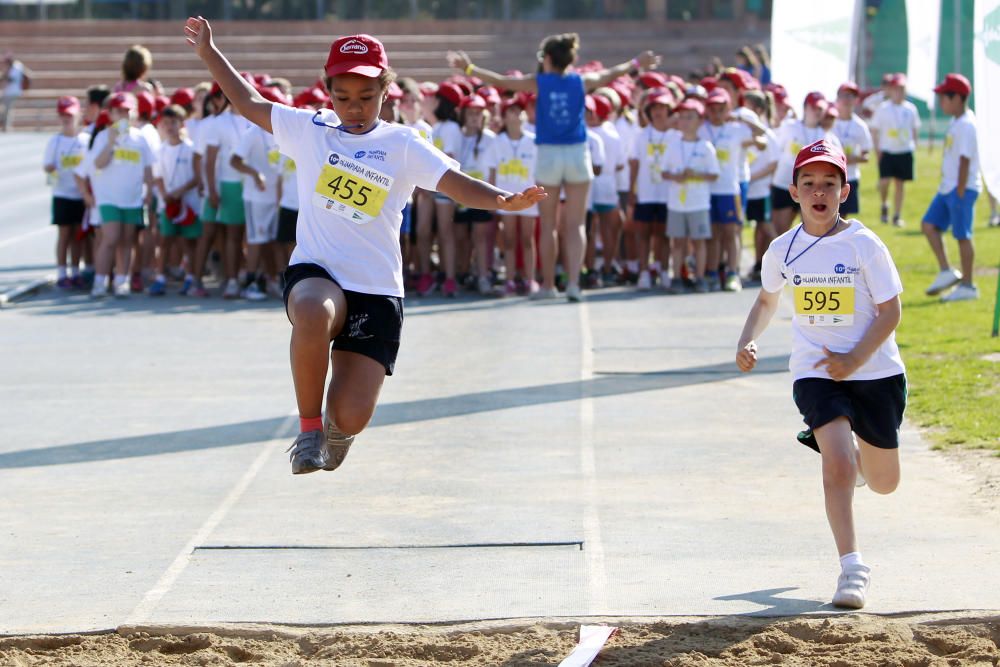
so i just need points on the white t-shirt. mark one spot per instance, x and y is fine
(699, 156)
(598, 160)
(961, 141)
(856, 139)
(515, 165)
(152, 137)
(225, 131)
(476, 154)
(604, 189)
(793, 136)
(649, 148)
(728, 140)
(258, 149)
(289, 190)
(896, 124)
(352, 190)
(627, 131)
(759, 160)
(447, 138)
(854, 255)
(747, 114)
(121, 182)
(15, 80)
(175, 165)
(424, 128)
(66, 154)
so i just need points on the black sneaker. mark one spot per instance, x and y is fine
(308, 453)
(885, 214)
(808, 438)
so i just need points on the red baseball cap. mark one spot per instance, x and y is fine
(357, 54)
(815, 99)
(652, 79)
(472, 102)
(183, 97)
(821, 151)
(394, 92)
(602, 107)
(122, 101)
(691, 104)
(310, 97)
(718, 96)
(145, 102)
(708, 83)
(734, 76)
(954, 83)
(490, 94)
(428, 88)
(451, 92)
(661, 96)
(897, 79)
(516, 101)
(589, 104)
(849, 87)
(777, 90)
(162, 102)
(68, 106)
(623, 89)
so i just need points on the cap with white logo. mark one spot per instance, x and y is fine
(357, 54)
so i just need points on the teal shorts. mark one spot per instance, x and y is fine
(231, 204)
(169, 229)
(128, 216)
(604, 208)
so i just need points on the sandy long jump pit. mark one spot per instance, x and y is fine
(929, 640)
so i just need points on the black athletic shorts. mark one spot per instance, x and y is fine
(874, 407)
(67, 211)
(759, 210)
(852, 204)
(650, 213)
(374, 322)
(896, 165)
(469, 215)
(287, 218)
(782, 198)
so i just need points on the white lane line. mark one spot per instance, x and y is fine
(21, 237)
(142, 612)
(597, 584)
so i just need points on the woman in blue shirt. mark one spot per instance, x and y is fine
(563, 161)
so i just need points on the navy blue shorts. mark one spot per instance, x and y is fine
(651, 213)
(726, 210)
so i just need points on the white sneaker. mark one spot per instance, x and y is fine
(232, 290)
(852, 587)
(484, 286)
(253, 293)
(645, 281)
(99, 291)
(733, 283)
(122, 289)
(944, 280)
(543, 294)
(574, 294)
(962, 293)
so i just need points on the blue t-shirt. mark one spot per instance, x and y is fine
(559, 112)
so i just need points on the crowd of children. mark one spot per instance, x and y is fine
(150, 189)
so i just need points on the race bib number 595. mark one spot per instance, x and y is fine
(351, 190)
(824, 299)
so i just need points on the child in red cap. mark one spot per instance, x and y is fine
(63, 155)
(849, 379)
(355, 174)
(894, 133)
(955, 202)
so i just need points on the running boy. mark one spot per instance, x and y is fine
(345, 285)
(849, 379)
(955, 202)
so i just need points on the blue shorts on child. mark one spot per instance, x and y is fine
(950, 210)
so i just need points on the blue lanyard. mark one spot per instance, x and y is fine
(798, 229)
(341, 127)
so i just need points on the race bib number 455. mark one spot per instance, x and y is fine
(824, 299)
(351, 190)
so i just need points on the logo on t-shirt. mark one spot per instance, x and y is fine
(333, 159)
(796, 279)
(354, 46)
(359, 155)
(840, 268)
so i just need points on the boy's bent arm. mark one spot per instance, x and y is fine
(760, 315)
(840, 366)
(241, 94)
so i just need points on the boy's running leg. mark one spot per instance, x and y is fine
(350, 402)
(880, 467)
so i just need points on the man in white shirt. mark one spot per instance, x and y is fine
(955, 202)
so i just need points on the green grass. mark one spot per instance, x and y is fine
(954, 391)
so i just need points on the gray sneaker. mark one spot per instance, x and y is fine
(308, 453)
(336, 445)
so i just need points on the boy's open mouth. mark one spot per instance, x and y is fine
(819, 208)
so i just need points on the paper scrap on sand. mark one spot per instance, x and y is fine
(592, 640)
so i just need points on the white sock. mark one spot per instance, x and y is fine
(851, 559)
(119, 279)
(100, 280)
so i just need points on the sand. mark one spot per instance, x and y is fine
(852, 640)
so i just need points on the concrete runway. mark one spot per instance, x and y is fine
(526, 460)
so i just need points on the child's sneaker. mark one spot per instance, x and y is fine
(898, 221)
(157, 288)
(645, 282)
(425, 285)
(701, 286)
(65, 283)
(945, 279)
(98, 291)
(252, 293)
(852, 587)
(186, 287)
(542, 294)
(450, 288)
(884, 217)
(712, 280)
(122, 289)
(308, 453)
(733, 283)
(510, 288)
(336, 445)
(232, 290)
(962, 293)
(573, 294)
(484, 286)
(137, 285)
